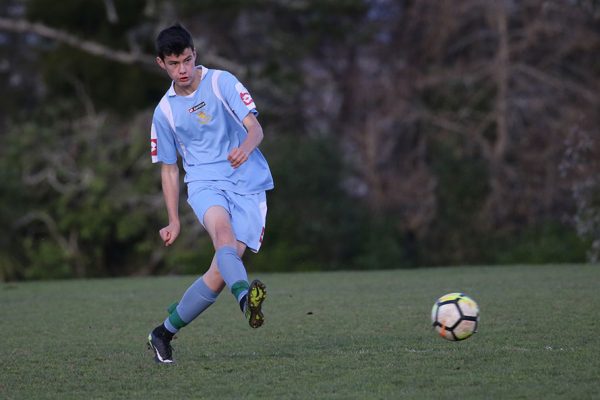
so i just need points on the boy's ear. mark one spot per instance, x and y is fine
(161, 63)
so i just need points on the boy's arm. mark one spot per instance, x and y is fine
(239, 155)
(169, 174)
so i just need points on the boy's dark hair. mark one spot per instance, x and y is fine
(173, 41)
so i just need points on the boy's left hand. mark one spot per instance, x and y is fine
(237, 157)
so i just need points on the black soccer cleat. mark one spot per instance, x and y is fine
(256, 295)
(161, 346)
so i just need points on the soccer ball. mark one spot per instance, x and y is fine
(455, 316)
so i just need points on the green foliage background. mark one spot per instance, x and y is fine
(80, 197)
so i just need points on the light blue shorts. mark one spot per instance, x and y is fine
(248, 212)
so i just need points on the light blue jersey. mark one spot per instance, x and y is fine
(203, 128)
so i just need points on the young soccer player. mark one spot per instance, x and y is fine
(209, 118)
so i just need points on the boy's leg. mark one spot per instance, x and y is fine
(248, 216)
(249, 296)
(196, 299)
(251, 301)
(218, 225)
(234, 221)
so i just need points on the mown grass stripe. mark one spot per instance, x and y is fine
(338, 335)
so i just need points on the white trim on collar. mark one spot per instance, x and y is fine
(171, 91)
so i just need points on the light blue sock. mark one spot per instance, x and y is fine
(233, 271)
(197, 298)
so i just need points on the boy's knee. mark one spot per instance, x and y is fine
(224, 237)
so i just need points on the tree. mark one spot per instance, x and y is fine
(493, 90)
(427, 132)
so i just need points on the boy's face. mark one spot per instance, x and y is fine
(180, 68)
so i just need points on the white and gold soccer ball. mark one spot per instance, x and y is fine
(455, 316)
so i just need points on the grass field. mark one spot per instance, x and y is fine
(343, 335)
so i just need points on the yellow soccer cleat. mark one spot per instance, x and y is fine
(256, 296)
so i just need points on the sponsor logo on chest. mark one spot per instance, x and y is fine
(197, 107)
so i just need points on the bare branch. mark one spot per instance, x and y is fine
(100, 50)
(111, 12)
(557, 83)
(50, 224)
(24, 26)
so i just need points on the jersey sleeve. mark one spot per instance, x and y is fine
(237, 96)
(162, 140)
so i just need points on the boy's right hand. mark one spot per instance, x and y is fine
(169, 233)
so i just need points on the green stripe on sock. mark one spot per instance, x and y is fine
(176, 320)
(172, 307)
(239, 287)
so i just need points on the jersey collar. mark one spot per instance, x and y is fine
(171, 91)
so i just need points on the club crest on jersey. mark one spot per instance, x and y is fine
(196, 107)
(153, 147)
(204, 118)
